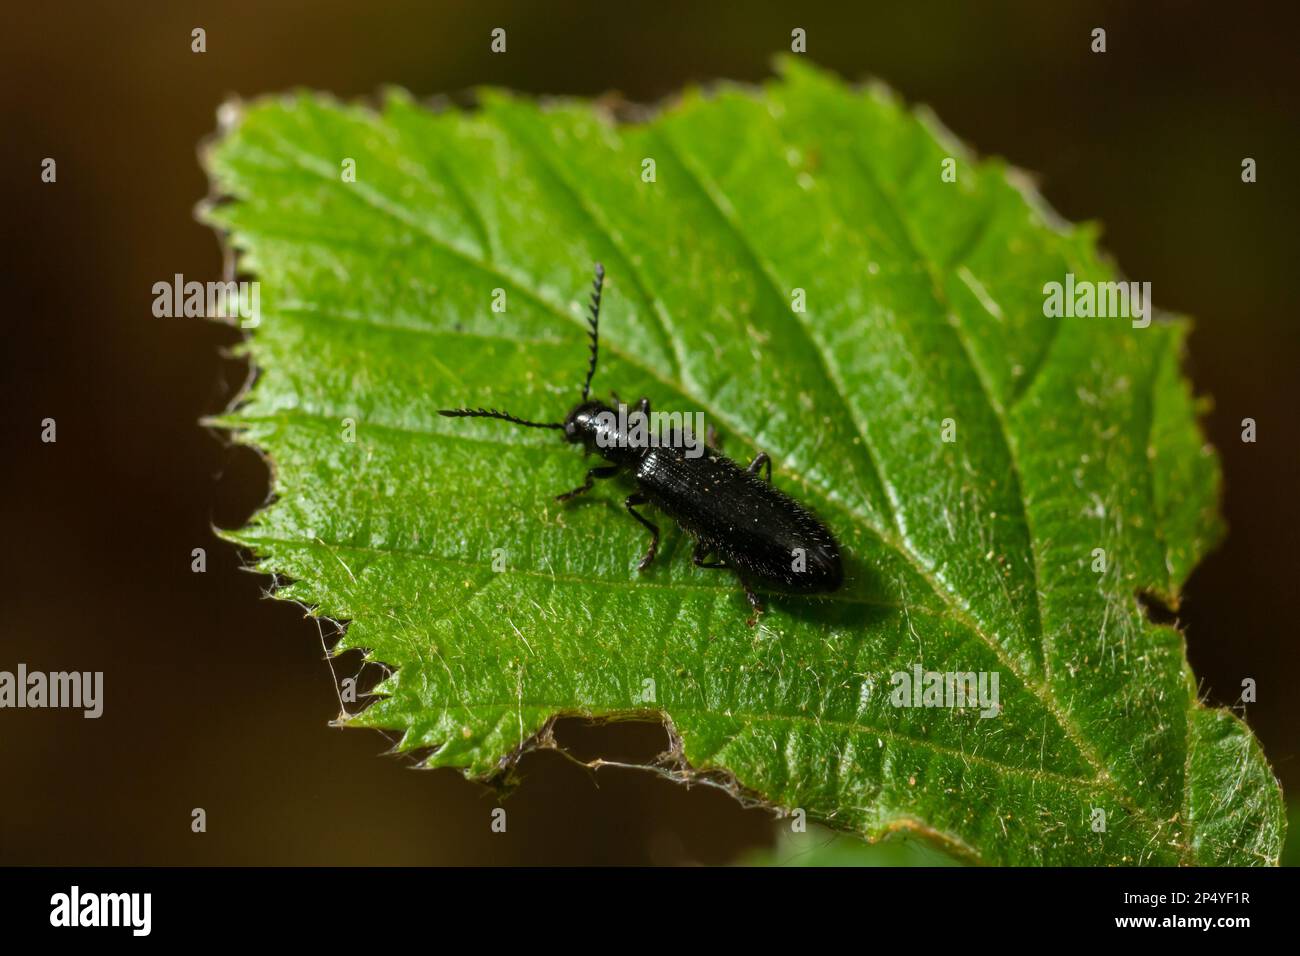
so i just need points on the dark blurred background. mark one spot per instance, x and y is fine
(217, 698)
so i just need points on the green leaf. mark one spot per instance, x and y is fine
(924, 303)
(819, 847)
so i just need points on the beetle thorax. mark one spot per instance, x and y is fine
(599, 429)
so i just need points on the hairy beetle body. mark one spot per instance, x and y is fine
(765, 535)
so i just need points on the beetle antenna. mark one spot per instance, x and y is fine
(594, 322)
(493, 413)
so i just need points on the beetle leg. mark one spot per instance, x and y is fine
(753, 599)
(643, 407)
(634, 499)
(712, 439)
(761, 460)
(702, 548)
(607, 471)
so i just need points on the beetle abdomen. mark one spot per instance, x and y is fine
(759, 531)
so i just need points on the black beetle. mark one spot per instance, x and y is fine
(763, 535)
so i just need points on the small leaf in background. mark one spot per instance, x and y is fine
(831, 279)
